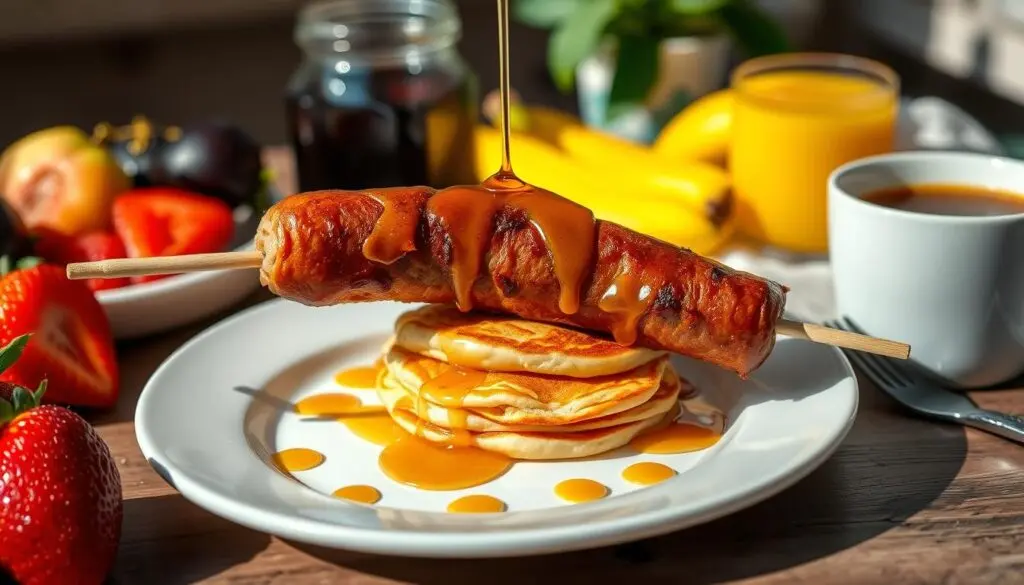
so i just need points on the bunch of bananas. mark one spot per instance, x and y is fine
(684, 199)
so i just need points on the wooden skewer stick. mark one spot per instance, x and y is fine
(234, 260)
(122, 267)
(844, 339)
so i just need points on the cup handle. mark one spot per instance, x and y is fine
(1008, 426)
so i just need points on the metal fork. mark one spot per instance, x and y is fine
(927, 398)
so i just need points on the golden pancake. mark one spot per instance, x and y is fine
(533, 446)
(483, 420)
(517, 398)
(502, 343)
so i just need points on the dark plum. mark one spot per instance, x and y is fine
(137, 164)
(136, 146)
(213, 158)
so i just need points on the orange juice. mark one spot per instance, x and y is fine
(793, 126)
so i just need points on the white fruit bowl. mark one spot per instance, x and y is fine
(153, 307)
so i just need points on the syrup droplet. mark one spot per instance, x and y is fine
(394, 234)
(647, 473)
(568, 230)
(298, 459)
(675, 438)
(467, 212)
(476, 504)
(451, 387)
(456, 434)
(580, 490)
(628, 298)
(364, 494)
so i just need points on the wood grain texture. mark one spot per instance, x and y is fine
(902, 501)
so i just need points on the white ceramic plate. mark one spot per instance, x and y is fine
(207, 431)
(143, 309)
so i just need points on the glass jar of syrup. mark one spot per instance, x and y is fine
(382, 97)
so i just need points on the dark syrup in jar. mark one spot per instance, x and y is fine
(392, 129)
(382, 97)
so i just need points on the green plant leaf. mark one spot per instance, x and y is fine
(12, 351)
(6, 411)
(5, 265)
(543, 13)
(576, 38)
(753, 29)
(636, 70)
(697, 7)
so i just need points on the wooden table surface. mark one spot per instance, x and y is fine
(902, 501)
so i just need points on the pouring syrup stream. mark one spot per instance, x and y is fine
(504, 89)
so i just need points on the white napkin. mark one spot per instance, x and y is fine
(926, 123)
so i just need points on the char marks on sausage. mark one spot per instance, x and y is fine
(634, 287)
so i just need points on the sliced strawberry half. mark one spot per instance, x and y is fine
(91, 247)
(163, 221)
(72, 346)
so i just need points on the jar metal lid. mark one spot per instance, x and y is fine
(377, 30)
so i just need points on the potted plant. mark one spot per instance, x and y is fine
(632, 60)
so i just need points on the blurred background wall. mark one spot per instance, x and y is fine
(84, 61)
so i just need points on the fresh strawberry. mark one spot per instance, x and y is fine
(90, 247)
(73, 346)
(60, 522)
(163, 221)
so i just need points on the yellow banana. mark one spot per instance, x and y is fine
(704, 187)
(701, 131)
(540, 164)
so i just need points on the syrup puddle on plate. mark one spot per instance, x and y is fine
(647, 473)
(378, 429)
(476, 504)
(425, 465)
(334, 403)
(407, 458)
(578, 490)
(359, 378)
(675, 438)
(298, 459)
(363, 494)
(370, 423)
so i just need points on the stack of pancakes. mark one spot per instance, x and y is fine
(525, 389)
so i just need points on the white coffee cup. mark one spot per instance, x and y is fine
(950, 286)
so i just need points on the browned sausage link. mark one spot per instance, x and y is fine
(313, 254)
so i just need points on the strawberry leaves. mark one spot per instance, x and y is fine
(40, 390)
(6, 266)
(12, 351)
(28, 262)
(21, 399)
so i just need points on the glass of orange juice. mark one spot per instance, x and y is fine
(797, 117)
